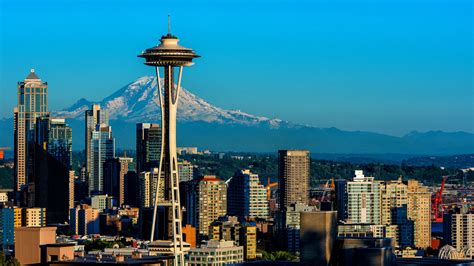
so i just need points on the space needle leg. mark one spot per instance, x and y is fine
(160, 165)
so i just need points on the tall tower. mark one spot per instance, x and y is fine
(169, 54)
(93, 117)
(293, 177)
(32, 103)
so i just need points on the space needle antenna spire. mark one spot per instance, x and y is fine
(169, 24)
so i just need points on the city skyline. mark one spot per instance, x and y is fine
(422, 83)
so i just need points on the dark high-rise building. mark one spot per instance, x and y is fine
(148, 146)
(93, 118)
(293, 177)
(32, 103)
(131, 189)
(115, 170)
(341, 200)
(51, 185)
(55, 136)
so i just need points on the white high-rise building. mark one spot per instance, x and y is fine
(102, 146)
(364, 198)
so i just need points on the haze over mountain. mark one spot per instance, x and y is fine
(209, 127)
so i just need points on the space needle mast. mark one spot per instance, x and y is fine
(171, 57)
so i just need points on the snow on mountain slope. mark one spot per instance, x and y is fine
(138, 102)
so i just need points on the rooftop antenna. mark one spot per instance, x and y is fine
(169, 24)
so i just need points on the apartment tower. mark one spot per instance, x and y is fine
(293, 177)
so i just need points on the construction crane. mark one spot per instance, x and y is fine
(2, 152)
(437, 203)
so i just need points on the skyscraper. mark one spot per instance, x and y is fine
(246, 196)
(293, 177)
(148, 146)
(102, 148)
(363, 194)
(93, 117)
(50, 185)
(32, 103)
(169, 55)
(60, 141)
(115, 170)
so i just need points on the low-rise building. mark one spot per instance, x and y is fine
(216, 253)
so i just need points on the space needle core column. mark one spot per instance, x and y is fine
(169, 55)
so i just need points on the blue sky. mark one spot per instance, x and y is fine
(387, 66)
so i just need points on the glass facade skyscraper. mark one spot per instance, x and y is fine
(32, 103)
(102, 147)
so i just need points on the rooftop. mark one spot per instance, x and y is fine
(32, 75)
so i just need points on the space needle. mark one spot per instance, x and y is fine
(171, 57)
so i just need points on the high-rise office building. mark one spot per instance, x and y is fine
(419, 211)
(115, 170)
(93, 118)
(59, 140)
(32, 103)
(148, 146)
(246, 196)
(131, 189)
(293, 177)
(50, 185)
(102, 147)
(364, 197)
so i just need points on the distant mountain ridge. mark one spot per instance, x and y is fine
(207, 126)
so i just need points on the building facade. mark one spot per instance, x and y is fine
(419, 211)
(216, 253)
(186, 171)
(458, 230)
(102, 147)
(246, 196)
(93, 117)
(363, 200)
(115, 170)
(7, 225)
(211, 203)
(293, 177)
(148, 146)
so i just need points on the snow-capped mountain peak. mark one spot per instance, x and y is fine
(139, 102)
